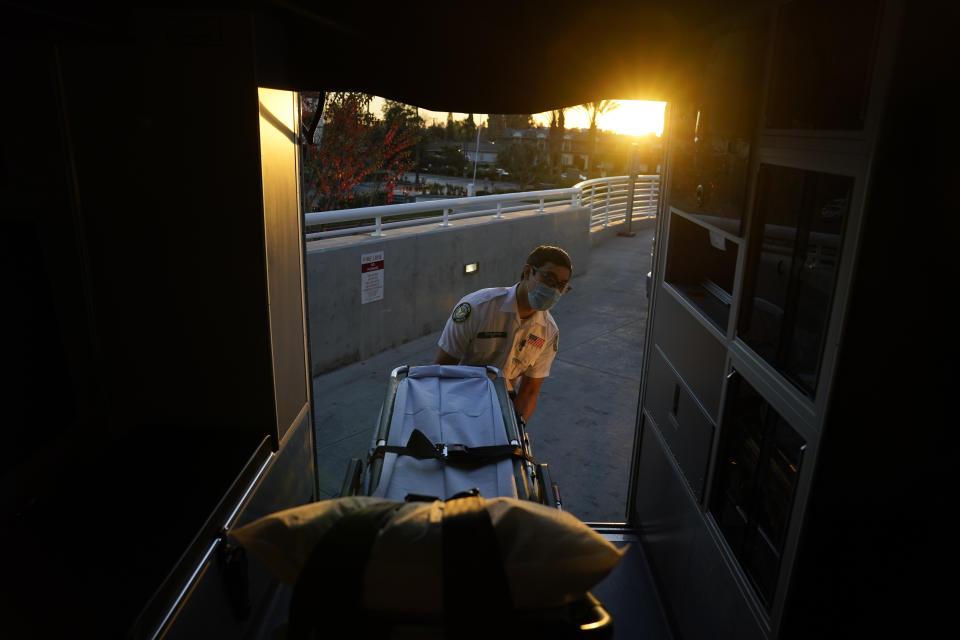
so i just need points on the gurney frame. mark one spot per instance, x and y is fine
(533, 479)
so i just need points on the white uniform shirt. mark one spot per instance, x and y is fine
(485, 329)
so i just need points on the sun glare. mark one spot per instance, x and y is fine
(634, 117)
(630, 117)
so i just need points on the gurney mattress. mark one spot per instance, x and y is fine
(451, 405)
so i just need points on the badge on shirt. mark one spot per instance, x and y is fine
(461, 312)
(492, 334)
(556, 342)
(536, 341)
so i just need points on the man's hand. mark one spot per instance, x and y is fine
(527, 395)
(445, 358)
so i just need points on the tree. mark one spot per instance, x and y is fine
(468, 129)
(555, 137)
(597, 108)
(453, 162)
(496, 125)
(355, 148)
(518, 120)
(406, 118)
(524, 161)
(593, 110)
(451, 127)
(436, 132)
(406, 115)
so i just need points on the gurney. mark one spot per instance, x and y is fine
(450, 528)
(445, 430)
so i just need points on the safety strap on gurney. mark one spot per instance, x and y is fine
(476, 591)
(458, 455)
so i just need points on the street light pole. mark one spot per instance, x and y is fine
(416, 181)
(476, 153)
(476, 159)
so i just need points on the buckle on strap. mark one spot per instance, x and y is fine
(419, 446)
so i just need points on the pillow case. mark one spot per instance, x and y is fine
(550, 558)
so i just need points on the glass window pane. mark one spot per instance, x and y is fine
(739, 457)
(714, 129)
(792, 267)
(754, 483)
(777, 480)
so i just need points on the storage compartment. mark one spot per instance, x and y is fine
(701, 263)
(693, 351)
(755, 482)
(687, 430)
(822, 65)
(791, 271)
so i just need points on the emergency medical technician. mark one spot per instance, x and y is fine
(511, 327)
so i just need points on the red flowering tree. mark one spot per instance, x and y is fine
(354, 147)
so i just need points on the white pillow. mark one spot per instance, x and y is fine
(550, 557)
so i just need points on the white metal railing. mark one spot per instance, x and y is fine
(607, 199)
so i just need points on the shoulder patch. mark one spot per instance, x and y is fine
(556, 342)
(461, 312)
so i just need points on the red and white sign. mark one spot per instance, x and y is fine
(371, 277)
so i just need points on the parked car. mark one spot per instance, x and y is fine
(572, 175)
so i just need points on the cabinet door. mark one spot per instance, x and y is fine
(755, 481)
(685, 427)
(283, 232)
(795, 246)
(713, 130)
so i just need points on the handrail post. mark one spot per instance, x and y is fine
(499, 213)
(606, 207)
(540, 210)
(650, 197)
(631, 188)
(379, 232)
(446, 218)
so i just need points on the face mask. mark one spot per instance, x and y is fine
(543, 297)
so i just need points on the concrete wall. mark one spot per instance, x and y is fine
(423, 278)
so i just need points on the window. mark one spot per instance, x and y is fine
(754, 483)
(714, 128)
(794, 249)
